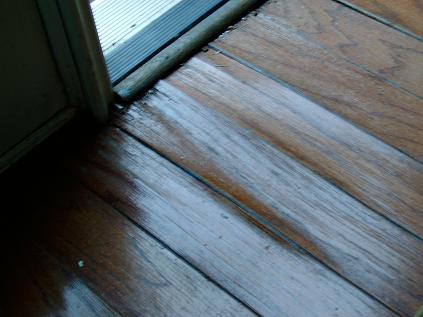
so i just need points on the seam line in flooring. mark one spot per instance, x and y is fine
(170, 249)
(375, 74)
(256, 217)
(263, 72)
(298, 91)
(379, 19)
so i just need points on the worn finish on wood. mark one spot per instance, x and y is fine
(281, 208)
(132, 272)
(363, 41)
(362, 246)
(404, 13)
(180, 50)
(37, 285)
(393, 115)
(262, 270)
(378, 175)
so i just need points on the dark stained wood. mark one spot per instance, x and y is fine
(262, 270)
(376, 174)
(363, 41)
(132, 272)
(393, 115)
(405, 13)
(37, 285)
(273, 205)
(362, 246)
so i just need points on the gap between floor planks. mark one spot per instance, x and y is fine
(214, 235)
(77, 288)
(406, 16)
(121, 263)
(382, 51)
(380, 108)
(201, 141)
(371, 171)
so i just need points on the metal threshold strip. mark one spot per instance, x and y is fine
(132, 31)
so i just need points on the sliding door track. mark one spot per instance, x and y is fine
(132, 31)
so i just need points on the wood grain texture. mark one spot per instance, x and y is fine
(264, 271)
(132, 272)
(36, 284)
(405, 13)
(376, 174)
(389, 113)
(362, 41)
(362, 246)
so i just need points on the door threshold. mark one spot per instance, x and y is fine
(170, 57)
(132, 31)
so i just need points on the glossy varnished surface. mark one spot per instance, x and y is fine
(378, 175)
(392, 114)
(37, 285)
(132, 272)
(277, 174)
(331, 225)
(263, 271)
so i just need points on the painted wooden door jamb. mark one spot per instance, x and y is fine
(71, 30)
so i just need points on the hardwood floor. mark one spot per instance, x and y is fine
(369, 101)
(217, 236)
(42, 287)
(278, 173)
(406, 14)
(115, 267)
(291, 198)
(368, 44)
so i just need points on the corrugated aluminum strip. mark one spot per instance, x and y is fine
(131, 31)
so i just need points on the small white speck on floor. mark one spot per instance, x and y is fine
(81, 263)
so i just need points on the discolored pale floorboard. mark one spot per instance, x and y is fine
(331, 225)
(265, 272)
(132, 272)
(406, 14)
(379, 107)
(378, 175)
(277, 174)
(108, 256)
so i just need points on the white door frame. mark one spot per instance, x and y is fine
(73, 37)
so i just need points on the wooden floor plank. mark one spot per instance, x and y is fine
(376, 174)
(405, 13)
(37, 285)
(132, 272)
(257, 201)
(369, 44)
(262, 270)
(391, 114)
(362, 246)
